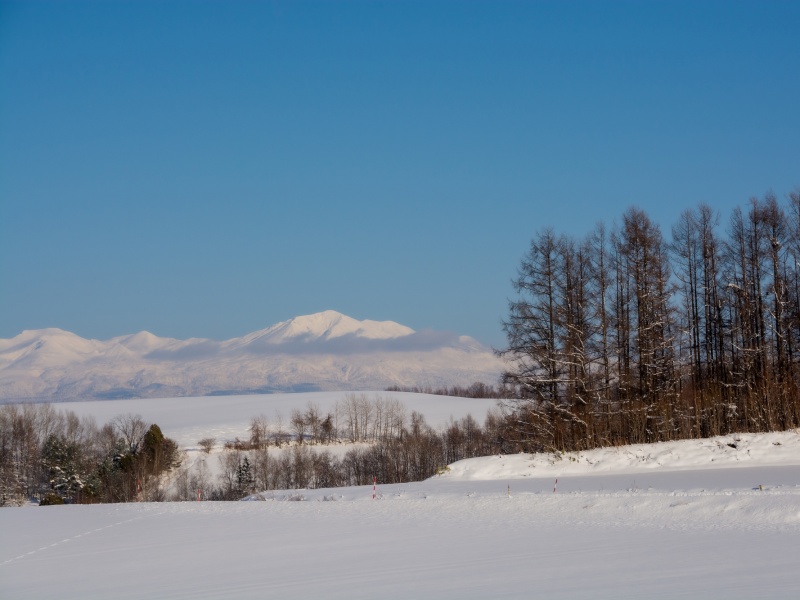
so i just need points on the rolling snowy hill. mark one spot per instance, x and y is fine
(324, 351)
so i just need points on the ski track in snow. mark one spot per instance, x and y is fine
(437, 538)
(72, 539)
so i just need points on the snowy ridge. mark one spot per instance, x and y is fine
(738, 450)
(324, 351)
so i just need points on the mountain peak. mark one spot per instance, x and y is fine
(144, 341)
(327, 325)
(321, 324)
(331, 324)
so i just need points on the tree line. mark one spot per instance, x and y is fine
(625, 336)
(410, 452)
(55, 457)
(474, 390)
(358, 417)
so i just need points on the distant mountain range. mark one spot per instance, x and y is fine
(324, 351)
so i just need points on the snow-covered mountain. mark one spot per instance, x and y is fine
(323, 351)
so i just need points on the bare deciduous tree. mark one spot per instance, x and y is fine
(207, 444)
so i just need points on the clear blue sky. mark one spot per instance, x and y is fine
(210, 168)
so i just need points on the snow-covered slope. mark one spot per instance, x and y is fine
(324, 351)
(638, 461)
(188, 419)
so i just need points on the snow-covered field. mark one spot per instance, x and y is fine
(695, 519)
(187, 420)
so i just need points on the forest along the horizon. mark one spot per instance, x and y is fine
(48, 456)
(625, 337)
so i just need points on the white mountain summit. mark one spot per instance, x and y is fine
(331, 324)
(324, 326)
(323, 351)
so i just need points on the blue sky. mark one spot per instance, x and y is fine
(206, 169)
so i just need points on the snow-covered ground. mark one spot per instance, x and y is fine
(187, 420)
(713, 518)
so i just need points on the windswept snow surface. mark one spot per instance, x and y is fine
(710, 521)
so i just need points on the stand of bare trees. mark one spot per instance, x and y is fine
(56, 457)
(411, 450)
(356, 418)
(625, 337)
(474, 390)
